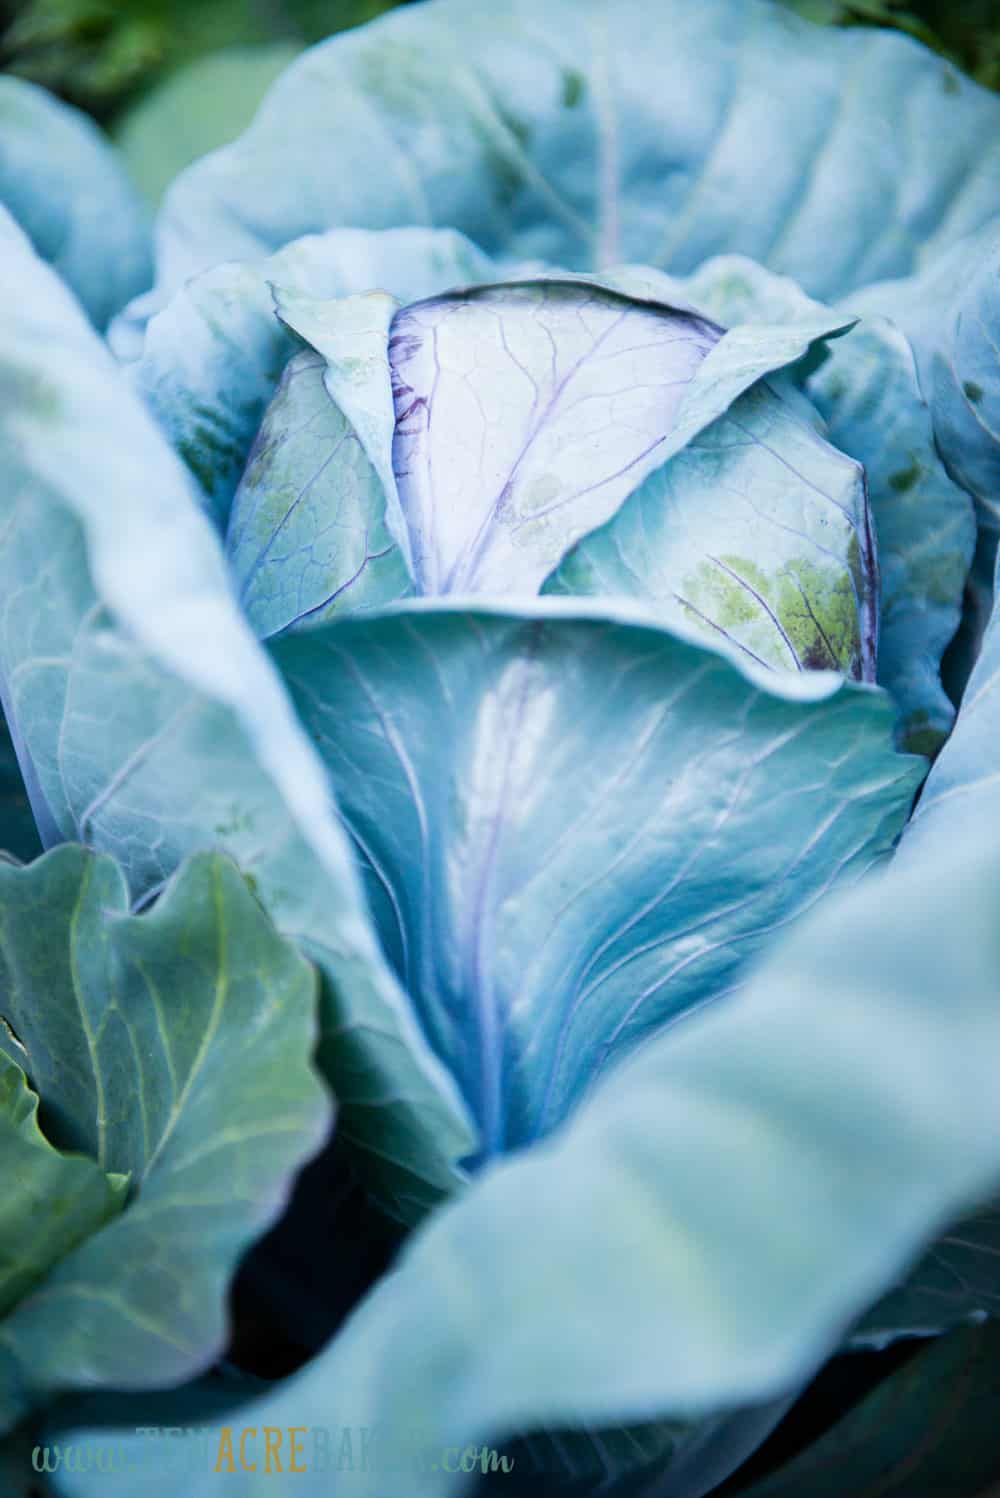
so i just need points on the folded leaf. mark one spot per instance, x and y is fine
(837, 1081)
(195, 741)
(51, 1200)
(577, 826)
(175, 1046)
(521, 416)
(590, 132)
(759, 533)
(95, 235)
(212, 359)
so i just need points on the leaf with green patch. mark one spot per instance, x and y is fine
(867, 392)
(176, 1047)
(756, 533)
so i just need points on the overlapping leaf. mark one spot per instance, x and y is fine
(838, 1082)
(589, 133)
(174, 1046)
(161, 726)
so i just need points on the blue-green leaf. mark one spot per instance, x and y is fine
(505, 422)
(590, 132)
(63, 183)
(667, 1271)
(867, 391)
(307, 535)
(577, 827)
(758, 533)
(174, 1046)
(155, 724)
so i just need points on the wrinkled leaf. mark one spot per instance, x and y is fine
(586, 133)
(174, 1046)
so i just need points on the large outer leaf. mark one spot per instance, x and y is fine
(62, 182)
(211, 360)
(708, 1223)
(578, 827)
(165, 728)
(176, 1046)
(585, 132)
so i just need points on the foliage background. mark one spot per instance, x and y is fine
(104, 54)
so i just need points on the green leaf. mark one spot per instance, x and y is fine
(591, 132)
(197, 740)
(51, 1200)
(309, 492)
(577, 826)
(174, 1046)
(867, 392)
(62, 182)
(928, 1429)
(190, 113)
(711, 1220)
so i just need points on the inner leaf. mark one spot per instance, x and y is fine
(525, 414)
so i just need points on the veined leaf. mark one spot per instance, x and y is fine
(174, 1046)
